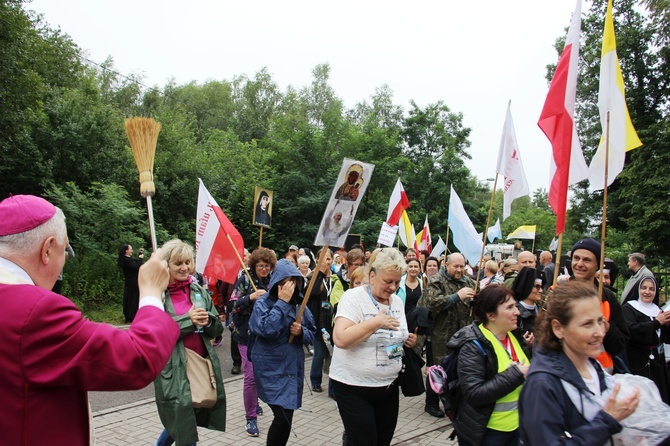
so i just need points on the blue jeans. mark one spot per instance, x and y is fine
(320, 353)
(165, 440)
(331, 391)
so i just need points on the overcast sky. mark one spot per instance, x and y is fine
(473, 55)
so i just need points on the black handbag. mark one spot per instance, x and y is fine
(410, 380)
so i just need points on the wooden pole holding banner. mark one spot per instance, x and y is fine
(601, 279)
(260, 238)
(244, 267)
(446, 242)
(533, 248)
(305, 299)
(486, 230)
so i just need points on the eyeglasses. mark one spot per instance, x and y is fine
(538, 287)
(263, 266)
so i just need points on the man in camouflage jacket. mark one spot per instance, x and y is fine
(447, 296)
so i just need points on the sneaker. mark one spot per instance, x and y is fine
(317, 389)
(252, 428)
(259, 410)
(236, 370)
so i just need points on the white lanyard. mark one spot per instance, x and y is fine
(328, 285)
(374, 301)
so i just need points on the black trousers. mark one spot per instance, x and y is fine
(235, 352)
(369, 414)
(280, 429)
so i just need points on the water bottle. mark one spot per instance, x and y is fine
(326, 340)
(199, 303)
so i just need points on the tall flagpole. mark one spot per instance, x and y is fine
(446, 242)
(533, 248)
(244, 267)
(486, 229)
(604, 224)
(559, 250)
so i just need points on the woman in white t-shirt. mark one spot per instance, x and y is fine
(369, 333)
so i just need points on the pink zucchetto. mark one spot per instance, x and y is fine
(21, 213)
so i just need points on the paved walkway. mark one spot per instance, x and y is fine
(316, 423)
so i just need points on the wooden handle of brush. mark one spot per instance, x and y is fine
(152, 228)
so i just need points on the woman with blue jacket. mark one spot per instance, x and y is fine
(279, 367)
(564, 401)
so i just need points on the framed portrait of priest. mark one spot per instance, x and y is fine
(263, 207)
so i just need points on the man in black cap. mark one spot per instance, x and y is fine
(585, 265)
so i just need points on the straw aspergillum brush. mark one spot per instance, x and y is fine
(143, 135)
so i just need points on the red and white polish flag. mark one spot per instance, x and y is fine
(397, 204)
(557, 122)
(216, 240)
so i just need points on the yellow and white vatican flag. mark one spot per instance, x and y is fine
(523, 232)
(611, 98)
(406, 231)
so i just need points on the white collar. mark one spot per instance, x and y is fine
(528, 307)
(15, 270)
(648, 309)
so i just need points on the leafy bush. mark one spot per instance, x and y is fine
(99, 222)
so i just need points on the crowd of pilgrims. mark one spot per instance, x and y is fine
(538, 353)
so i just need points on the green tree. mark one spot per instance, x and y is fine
(210, 105)
(255, 102)
(435, 143)
(99, 222)
(35, 64)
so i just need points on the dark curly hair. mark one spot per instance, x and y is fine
(559, 307)
(262, 255)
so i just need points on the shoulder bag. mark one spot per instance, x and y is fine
(200, 374)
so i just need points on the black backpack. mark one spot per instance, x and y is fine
(451, 395)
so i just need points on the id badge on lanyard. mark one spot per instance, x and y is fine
(390, 351)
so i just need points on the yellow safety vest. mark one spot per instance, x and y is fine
(505, 416)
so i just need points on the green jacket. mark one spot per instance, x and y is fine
(173, 392)
(449, 312)
(340, 285)
(509, 278)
